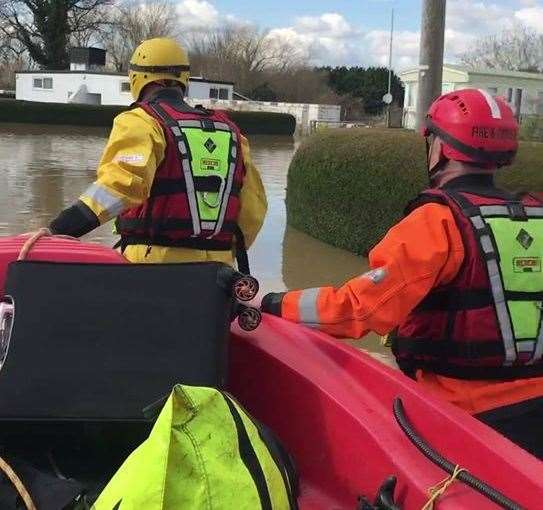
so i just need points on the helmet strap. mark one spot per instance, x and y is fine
(433, 171)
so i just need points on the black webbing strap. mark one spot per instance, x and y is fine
(175, 69)
(194, 243)
(211, 184)
(458, 349)
(241, 251)
(166, 224)
(456, 300)
(458, 371)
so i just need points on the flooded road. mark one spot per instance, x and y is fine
(45, 168)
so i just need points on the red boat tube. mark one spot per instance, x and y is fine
(332, 406)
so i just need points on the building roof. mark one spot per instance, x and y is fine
(486, 72)
(114, 73)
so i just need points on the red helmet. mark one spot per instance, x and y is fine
(474, 127)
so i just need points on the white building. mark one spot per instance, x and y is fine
(99, 87)
(88, 83)
(523, 91)
(304, 113)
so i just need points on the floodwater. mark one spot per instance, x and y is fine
(45, 168)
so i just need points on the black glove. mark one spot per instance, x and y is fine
(75, 221)
(271, 303)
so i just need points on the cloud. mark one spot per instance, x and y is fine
(472, 17)
(327, 38)
(331, 39)
(198, 15)
(531, 17)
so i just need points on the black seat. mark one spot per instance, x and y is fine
(95, 342)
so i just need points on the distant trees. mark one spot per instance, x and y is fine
(365, 86)
(245, 55)
(45, 27)
(130, 22)
(263, 67)
(516, 49)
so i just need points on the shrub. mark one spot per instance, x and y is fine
(348, 187)
(531, 128)
(250, 123)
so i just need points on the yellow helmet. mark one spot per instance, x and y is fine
(157, 59)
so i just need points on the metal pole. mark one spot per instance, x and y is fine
(432, 44)
(390, 64)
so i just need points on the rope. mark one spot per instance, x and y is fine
(35, 237)
(440, 488)
(18, 484)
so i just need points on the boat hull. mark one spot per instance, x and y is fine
(331, 405)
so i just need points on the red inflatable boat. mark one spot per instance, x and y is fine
(332, 406)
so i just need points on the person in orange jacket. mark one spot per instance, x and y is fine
(459, 280)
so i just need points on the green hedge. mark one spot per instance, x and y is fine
(348, 187)
(250, 123)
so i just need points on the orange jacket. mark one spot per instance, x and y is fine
(421, 252)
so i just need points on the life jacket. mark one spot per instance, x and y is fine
(204, 453)
(194, 201)
(486, 323)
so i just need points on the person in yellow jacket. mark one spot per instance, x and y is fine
(179, 180)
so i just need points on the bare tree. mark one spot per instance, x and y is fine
(244, 55)
(44, 27)
(131, 22)
(515, 49)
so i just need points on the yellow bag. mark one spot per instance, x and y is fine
(204, 452)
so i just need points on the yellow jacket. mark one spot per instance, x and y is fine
(126, 172)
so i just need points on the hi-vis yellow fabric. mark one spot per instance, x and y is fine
(125, 175)
(198, 458)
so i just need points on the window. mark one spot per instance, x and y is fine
(213, 93)
(42, 83)
(509, 95)
(493, 91)
(223, 93)
(518, 102)
(539, 104)
(125, 86)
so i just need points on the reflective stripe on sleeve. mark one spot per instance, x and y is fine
(309, 314)
(111, 204)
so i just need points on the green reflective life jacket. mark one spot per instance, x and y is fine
(204, 452)
(195, 199)
(487, 322)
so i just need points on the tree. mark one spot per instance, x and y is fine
(44, 27)
(12, 57)
(515, 49)
(366, 85)
(244, 55)
(131, 22)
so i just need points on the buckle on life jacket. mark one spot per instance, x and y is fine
(516, 211)
(217, 202)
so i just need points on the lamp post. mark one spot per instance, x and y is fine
(432, 44)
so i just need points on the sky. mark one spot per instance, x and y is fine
(356, 32)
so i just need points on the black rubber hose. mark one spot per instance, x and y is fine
(464, 476)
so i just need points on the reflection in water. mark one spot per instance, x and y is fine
(45, 168)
